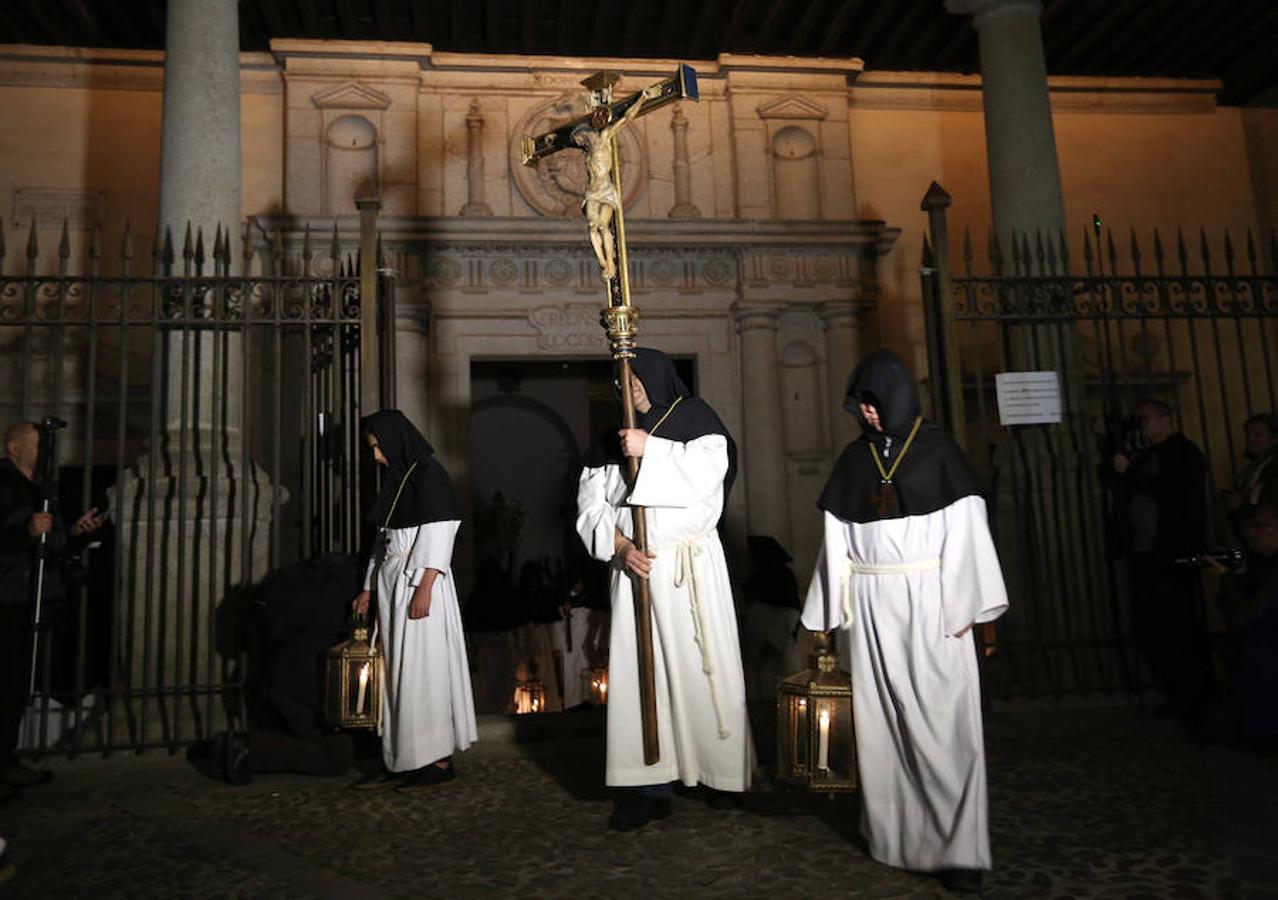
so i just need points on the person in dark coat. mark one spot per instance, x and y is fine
(1164, 487)
(25, 480)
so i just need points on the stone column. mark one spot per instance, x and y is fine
(683, 207)
(195, 513)
(842, 320)
(1025, 178)
(762, 445)
(475, 205)
(412, 372)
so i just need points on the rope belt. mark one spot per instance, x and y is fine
(852, 568)
(686, 553)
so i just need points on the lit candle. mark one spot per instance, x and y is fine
(363, 688)
(823, 742)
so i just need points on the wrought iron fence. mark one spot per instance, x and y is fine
(215, 416)
(1188, 321)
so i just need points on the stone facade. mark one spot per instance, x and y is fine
(774, 225)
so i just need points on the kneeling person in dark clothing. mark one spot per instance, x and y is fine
(303, 613)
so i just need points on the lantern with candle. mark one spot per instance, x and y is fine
(599, 685)
(352, 680)
(530, 696)
(816, 747)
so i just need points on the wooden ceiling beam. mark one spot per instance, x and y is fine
(672, 35)
(47, 26)
(1231, 39)
(701, 33)
(384, 21)
(528, 26)
(1073, 21)
(867, 39)
(122, 23)
(310, 18)
(1075, 57)
(909, 27)
(764, 37)
(90, 30)
(269, 14)
(839, 26)
(632, 33)
(492, 24)
(1141, 47)
(599, 33)
(729, 43)
(347, 20)
(803, 31)
(419, 19)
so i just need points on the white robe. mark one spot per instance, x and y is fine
(428, 710)
(703, 729)
(915, 683)
(569, 639)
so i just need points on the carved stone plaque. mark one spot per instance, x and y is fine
(555, 185)
(573, 328)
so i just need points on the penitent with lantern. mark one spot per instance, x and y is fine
(907, 567)
(427, 709)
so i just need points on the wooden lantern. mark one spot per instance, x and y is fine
(816, 746)
(599, 685)
(530, 697)
(352, 681)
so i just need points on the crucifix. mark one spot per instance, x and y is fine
(595, 134)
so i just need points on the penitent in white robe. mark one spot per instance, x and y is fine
(703, 729)
(906, 592)
(569, 639)
(427, 707)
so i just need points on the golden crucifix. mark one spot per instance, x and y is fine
(595, 133)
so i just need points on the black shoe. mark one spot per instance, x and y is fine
(723, 800)
(635, 811)
(379, 779)
(20, 776)
(426, 777)
(962, 881)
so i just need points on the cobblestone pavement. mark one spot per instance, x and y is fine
(1092, 802)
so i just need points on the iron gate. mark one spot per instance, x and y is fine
(216, 417)
(1178, 319)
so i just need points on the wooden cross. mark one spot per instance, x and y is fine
(595, 134)
(884, 499)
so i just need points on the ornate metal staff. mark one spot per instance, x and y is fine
(596, 135)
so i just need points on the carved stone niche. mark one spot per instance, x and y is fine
(351, 129)
(555, 185)
(801, 400)
(793, 126)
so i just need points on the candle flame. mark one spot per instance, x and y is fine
(825, 717)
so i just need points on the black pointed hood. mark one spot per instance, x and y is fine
(883, 381)
(427, 493)
(933, 473)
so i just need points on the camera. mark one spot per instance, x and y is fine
(1232, 558)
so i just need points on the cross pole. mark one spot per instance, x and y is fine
(595, 134)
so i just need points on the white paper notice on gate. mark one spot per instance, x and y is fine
(1028, 398)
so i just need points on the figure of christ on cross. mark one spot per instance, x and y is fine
(603, 193)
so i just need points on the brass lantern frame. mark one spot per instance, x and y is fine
(342, 667)
(822, 690)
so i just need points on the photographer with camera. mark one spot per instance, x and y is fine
(33, 544)
(1164, 513)
(1249, 603)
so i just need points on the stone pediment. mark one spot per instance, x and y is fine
(792, 107)
(351, 95)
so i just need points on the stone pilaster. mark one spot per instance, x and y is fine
(842, 321)
(763, 444)
(683, 207)
(475, 204)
